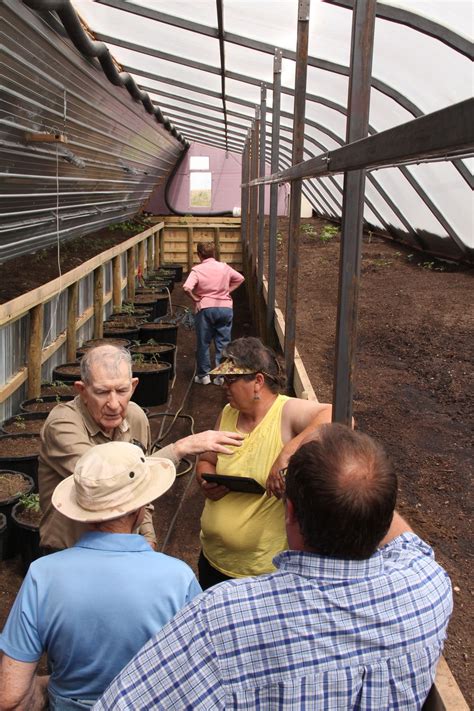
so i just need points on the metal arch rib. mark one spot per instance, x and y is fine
(92, 48)
(220, 24)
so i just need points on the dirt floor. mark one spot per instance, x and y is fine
(413, 390)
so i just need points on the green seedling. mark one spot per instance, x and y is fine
(30, 502)
(328, 232)
(308, 230)
(20, 422)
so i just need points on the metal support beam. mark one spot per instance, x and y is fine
(273, 220)
(363, 26)
(255, 134)
(295, 197)
(261, 189)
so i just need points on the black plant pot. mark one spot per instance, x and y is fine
(28, 539)
(26, 423)
(26, 463)
(159, 303)
(159, 332)
(6, 506)
(44, 404)
(163, 351)
(131, 334)
(153, 385)
(60, 372)
(177, 269)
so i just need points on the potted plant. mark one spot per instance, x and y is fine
(68, 372)
(158, 302)
(118, 330)
(20, 453)
(153, 383)
(161, 332)
(25, 422)
(13, 484)
(26, 516)
(177, 270)
(58, 387)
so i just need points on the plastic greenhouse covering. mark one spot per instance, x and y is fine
(204, 64)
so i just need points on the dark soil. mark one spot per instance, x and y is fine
(28, 516)
(46, 405)
(19, 445)
(148, 366)
(11, 484)
(51, 390)
(68, 369)
(412, 390)
(23, 424)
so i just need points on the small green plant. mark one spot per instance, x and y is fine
(307, 230)
(428, 265)
(279, 239)
(59, 384)
(327, 233)
(128, 308)
(382, 262)
(20, 422)
(30, 502)
(138, 358)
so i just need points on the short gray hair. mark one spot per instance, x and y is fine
(109, 357)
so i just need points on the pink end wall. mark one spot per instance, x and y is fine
(226, 176)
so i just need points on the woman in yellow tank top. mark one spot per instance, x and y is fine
(240, 532)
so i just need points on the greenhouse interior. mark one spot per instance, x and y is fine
(321, 149)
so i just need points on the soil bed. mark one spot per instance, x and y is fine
(19, 445)
(24, 425)
(11, 484)
(45, 406)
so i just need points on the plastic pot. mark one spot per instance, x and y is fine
(44, 404)
(131, 334)
(153, 384)
(177, 269)
(27, 538)
(60, 372)
(6, 506)
(163, 332)
(19, 462)
(159, 303)
(26, 423)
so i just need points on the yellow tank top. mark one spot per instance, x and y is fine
(241, 533)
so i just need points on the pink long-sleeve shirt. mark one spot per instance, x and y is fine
(212, 283)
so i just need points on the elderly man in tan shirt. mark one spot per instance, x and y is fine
(102, 412)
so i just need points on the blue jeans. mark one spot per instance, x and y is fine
(61, 703)
(214, 323)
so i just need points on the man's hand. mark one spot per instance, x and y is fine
(208, 441)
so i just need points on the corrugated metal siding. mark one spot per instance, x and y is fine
(115, 155)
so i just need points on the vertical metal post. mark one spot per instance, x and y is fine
(254, 190)
(273, 220)
(244, 206)
(295, 197)
(363, 23)
(261, 189)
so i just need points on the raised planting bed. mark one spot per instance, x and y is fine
(13, 485)
(20, 453)
(57, 388)
(26, 517)
(68, 372)
(44, 404)
(163, 351)
(24, 423)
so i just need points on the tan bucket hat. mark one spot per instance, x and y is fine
(111, 480)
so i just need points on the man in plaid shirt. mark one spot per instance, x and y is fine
(354, 617)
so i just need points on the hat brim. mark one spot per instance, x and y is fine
(228, 367)
(161, 475)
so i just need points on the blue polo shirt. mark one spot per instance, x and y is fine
(92, 607)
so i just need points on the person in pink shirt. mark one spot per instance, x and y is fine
(209, 285)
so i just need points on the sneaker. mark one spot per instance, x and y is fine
(218, 380)
(202, 380)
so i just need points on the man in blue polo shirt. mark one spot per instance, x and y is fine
(354, 617)
(92, 606)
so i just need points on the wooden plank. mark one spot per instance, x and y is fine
(445, 694)
(156, 254)
(72, 299)
(34, 350)
(16, 308)
(12, 385)
(98, 302)
(190, 248)
(217, 242)
(149, 255)
(141, 258)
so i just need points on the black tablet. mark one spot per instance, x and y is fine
(244, 484)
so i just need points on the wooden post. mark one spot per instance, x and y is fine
(98, 302)
(217, 242)
(131, 274)
(71, 341)
(35, 350)
(141, 257)
(117, 282)
(190, 248)
(162, 247)
(156, 256)
(149, 254)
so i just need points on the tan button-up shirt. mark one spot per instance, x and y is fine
(68, 432)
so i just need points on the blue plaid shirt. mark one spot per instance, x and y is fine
(318, 634)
